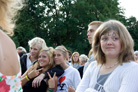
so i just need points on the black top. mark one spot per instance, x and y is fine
(23, 61)
(43, 86)
(81, 71)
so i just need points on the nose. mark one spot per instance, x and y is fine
(55, 56)
(109, 41)
(88, 33)
(39, 58)
(31, 50)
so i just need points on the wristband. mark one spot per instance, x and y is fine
(27, 78)
(50, 90)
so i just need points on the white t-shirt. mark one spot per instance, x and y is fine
(28, 61)
(71, 77)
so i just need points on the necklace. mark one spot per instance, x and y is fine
(108, 67)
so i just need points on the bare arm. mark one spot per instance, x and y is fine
(26, 77)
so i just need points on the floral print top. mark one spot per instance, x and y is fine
(10, 83)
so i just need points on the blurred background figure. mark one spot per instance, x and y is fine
(70, 54)
(83, 59)
(136, 56)
(21, 50)
(75, 62)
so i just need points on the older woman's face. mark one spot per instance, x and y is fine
(110, 44)
(136, 56)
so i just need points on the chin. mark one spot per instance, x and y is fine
(41, 65)
(90, 42)
(57, 63)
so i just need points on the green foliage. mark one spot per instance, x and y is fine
(132, 26)
(64, 22)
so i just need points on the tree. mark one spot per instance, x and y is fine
(132, 26)
(64, 22)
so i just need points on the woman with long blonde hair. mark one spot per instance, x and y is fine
(10, 72)
(75, 62)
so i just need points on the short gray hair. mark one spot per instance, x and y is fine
(83, 58)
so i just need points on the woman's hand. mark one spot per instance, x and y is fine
(37, 81)
(34, 73)
(71, 89)
(51, 81)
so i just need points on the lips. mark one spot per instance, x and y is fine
(41, 62)
(109, 47)
(89, 38)
(32, 54)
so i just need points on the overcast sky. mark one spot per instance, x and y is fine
(131, 7)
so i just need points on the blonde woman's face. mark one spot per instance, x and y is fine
(75, 58)
(34, 50)
(110, 44)
(59, 58)
(43, 59)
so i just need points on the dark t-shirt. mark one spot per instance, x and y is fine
(43, 86)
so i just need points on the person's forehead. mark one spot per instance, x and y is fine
(35, 46)
(93, 27)
(57, 51)
(76, 55)
(111, 33)
(43, 52)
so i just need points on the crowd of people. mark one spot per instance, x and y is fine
(111, 65)
(111, 52)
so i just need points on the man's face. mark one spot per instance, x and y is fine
(90, 32)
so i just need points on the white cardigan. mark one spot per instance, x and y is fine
(123, 79)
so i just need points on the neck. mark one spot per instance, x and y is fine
(32, 58)
(64, 66)
(45, 68)
(110, 61)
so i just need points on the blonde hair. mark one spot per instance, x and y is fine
(97, 23)
(72, 60)
(37, 41)
(127, 43)
(64, 51)
(8, 10)
(50, 52)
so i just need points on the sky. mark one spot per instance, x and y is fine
(131, 7)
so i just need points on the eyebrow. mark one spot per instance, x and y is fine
(90, 30)
(113, 34)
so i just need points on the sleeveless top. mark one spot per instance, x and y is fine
(10, 83)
